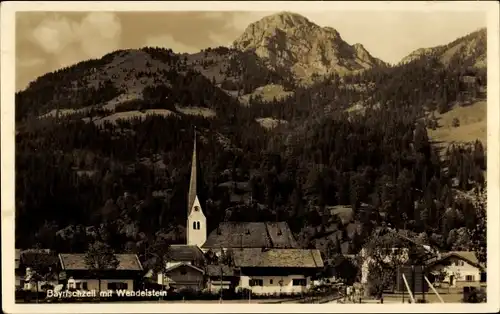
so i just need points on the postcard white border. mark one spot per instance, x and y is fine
(7, 21)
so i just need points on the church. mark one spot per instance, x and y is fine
(267, 258)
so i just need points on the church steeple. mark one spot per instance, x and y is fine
(193, 182)
(196, 232)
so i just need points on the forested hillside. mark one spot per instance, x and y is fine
(125, 181)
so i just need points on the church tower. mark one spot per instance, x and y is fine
(196, 232)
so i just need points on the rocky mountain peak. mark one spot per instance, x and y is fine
(292, 41)
(285, 20)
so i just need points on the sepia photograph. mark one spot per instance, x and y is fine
(213, 154)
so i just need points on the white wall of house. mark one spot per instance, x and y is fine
(215, 285)
(93, 284)
(271, 284)
(459, 273)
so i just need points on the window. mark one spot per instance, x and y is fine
(460, 263)
(270, 281)
(483, 277)
(196, 208)
(78, 285)
(299, 282)
(183, 271)
(85, 286)
(256, 282)
(469, 278)
(122, 285)
(117, 285)
(196, 225)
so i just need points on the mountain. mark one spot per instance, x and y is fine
(291, 50)
(111, 140)
(149, 78)
(469, 49)
(289, 40)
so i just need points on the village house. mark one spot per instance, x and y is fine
(276, 271)
(77, 275)
(266, 257)
(184, 268)
(458, 268)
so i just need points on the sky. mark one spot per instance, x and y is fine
(46, 41)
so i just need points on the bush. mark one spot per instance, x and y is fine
(475, 296)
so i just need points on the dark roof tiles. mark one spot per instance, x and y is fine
(185, 253)
(251, 235)
(300, 258)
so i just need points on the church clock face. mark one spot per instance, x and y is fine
(196, 208)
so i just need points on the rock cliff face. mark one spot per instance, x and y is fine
(292, 41)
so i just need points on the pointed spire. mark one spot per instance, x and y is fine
(194, 176)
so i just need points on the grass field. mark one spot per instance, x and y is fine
(267, 92)
(472, 125)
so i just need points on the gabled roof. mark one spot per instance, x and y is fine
(185, 253)
(77, 262)
(297, 258)
(184, 265)
(251, 235)
(467, 256)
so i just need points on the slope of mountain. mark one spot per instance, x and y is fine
(148, 78)
(466, 119)
(469, 49)
(289, 40)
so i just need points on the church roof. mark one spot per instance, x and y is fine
(251, 235)
(303, 258)
(193, 181)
